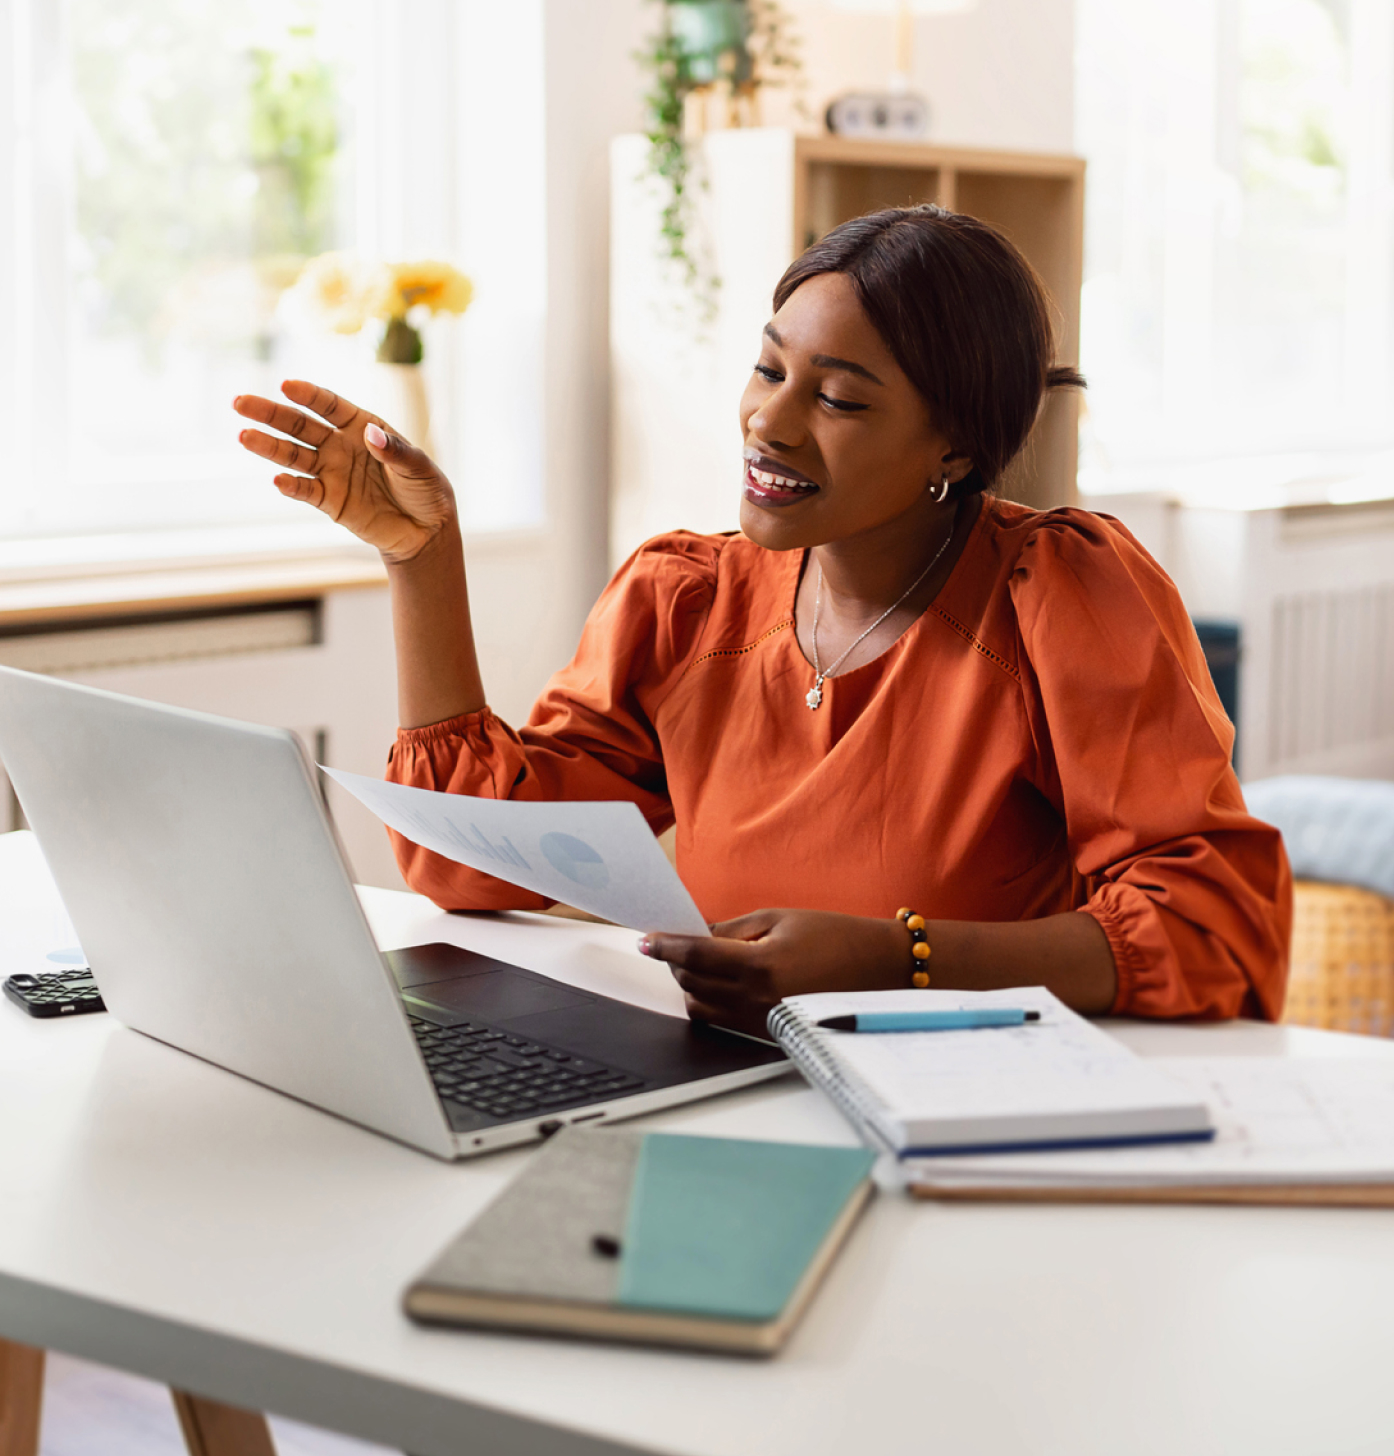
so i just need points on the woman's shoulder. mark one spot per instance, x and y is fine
(1067, 549)
(1022, 536)
(1030, 564)
(677, 589)
(678, 557)
(693, 565)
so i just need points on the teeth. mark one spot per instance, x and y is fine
(777, 482)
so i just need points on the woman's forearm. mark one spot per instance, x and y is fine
(437, 667)
(1068, 954)
(746, 966)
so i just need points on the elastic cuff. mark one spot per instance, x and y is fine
(451, 728)
(1126, 962)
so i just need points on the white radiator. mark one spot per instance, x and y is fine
(321, 666)
(1331, 685)
(160, 638)
(1312, 590)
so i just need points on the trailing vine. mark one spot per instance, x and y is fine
(752, 45)
(669, 158)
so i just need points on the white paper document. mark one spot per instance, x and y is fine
(1279, 1120)
(599, 857)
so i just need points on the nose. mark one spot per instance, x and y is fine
(777, 420)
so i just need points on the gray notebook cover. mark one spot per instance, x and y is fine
(537, 1238)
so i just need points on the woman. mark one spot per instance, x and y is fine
(892, 689)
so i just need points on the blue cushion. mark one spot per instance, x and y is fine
(1340, 830)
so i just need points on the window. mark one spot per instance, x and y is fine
(1238, 314)
(172, 163)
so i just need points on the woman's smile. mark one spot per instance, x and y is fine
(769, 482)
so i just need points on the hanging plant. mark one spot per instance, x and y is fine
(702, 46)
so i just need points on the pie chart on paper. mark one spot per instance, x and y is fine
(575, 859)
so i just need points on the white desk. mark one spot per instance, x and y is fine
(165, 1217)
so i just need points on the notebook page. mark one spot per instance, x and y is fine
(1057, 1066)
(1278, 1120)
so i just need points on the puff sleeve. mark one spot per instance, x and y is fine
(1193, 893)
(589, 736)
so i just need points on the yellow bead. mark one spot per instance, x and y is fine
(915, 922)
(920, 980)
(920, 951)
(902, 914)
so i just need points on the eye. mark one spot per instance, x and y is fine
(771, 376)
(844, 405)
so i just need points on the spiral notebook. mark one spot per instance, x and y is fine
(1060, 1082)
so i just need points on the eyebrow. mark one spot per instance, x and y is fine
(829, 361)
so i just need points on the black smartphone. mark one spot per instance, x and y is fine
(56, 993)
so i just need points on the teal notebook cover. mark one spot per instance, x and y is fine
(726, 1228)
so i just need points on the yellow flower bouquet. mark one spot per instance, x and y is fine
(347, 292)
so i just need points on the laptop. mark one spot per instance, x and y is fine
(212, 900)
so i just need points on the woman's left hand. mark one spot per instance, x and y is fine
(750, 964)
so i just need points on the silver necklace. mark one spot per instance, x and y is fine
(814, 696)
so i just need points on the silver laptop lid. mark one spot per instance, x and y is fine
(208, 890)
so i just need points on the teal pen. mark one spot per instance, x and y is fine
(931, 1020)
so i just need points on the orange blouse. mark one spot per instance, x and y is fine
(1045, 737)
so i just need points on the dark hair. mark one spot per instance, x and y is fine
(963, 313)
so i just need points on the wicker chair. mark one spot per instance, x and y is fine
(1340, 838)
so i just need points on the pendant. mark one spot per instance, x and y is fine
(814, 696)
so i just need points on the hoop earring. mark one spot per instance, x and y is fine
(941, 494)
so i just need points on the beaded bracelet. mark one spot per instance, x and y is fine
(919, 947)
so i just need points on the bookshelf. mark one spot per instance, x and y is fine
(768, 194)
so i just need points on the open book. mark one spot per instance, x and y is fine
(1059, 1082)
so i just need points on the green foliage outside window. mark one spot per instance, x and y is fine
(204, 168)
(294, 138)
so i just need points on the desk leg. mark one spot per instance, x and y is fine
(213, 1429)
(21, 1398)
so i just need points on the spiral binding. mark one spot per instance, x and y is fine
(807, 1048)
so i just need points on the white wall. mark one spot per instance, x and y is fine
(593, 93)
(999, 75)
(532, 587)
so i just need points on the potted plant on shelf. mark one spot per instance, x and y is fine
(705, 51)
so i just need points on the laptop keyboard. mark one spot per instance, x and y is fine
(509, 1076)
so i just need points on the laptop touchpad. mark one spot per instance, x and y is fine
(495, 996)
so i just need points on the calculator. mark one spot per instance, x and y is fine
(56, 993)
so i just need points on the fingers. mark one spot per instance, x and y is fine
(707, 1011)
(402, 458)
(722, 960)
(300, 488)
(281, 417)
(324, 402)
(280, 452)
(709, 990)
(747, 927)
(732, 1017)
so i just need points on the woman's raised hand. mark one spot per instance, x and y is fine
(349, 464)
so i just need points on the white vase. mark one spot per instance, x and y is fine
(403, 403)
